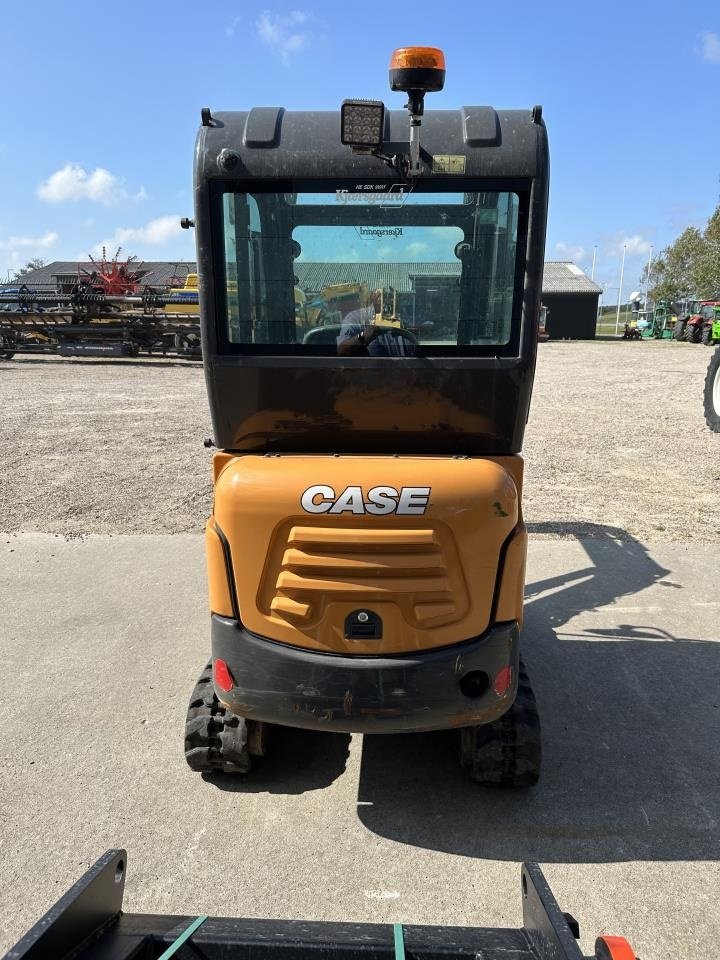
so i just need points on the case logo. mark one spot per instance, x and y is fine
(379, 501)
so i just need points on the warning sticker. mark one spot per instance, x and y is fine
(449, 163)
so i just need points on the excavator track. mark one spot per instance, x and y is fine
(216, 741)
(507, 752)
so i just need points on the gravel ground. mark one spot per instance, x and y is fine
(616, 438)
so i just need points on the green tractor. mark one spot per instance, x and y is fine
(660, 321)
(711, 323)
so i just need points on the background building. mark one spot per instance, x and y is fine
(572, 301)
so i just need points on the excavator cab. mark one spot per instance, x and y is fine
(366, 550)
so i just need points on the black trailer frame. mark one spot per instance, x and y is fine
(88, 923)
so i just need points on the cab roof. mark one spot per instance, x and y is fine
(274, 143)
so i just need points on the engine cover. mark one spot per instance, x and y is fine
(367, 555)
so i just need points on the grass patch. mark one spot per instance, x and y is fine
(605, 325)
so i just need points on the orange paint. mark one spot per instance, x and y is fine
(430, 573)
(613, 948)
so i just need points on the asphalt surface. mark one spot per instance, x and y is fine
(101, 640)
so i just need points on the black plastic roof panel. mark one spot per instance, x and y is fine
(273, 143)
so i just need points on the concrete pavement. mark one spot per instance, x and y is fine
(102, 638)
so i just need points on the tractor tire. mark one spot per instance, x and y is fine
(707, 335)
(679, 330)
(690, 334)
(216, 741)
(508, 751)
(711, 395)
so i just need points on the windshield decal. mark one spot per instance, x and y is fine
(382, 194)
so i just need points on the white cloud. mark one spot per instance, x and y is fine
(346, 256)
(231, 27)
(570, 251)
(710, 46)
(416, 248)
(15, 251)
(72, 183)
(636, 246)
(44, 242)
(283, 33)
(155, 233)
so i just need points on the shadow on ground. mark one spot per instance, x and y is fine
(631, 726)
(297, 761)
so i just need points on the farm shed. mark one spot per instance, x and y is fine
(572, 301)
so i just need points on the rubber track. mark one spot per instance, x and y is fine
(507, 752)
(215, 740)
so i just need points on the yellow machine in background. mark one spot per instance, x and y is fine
(387, 310)
(185, 298)
(337, 300)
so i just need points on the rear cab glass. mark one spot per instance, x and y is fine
(434, 268)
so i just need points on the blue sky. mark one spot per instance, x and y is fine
(101, 104)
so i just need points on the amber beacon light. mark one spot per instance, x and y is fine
(417, 69)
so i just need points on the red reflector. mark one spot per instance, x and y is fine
(503, 681)
(613, 948)
(223, 677)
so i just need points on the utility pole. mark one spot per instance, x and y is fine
(622, 274)
(647, 279)
(592, 273)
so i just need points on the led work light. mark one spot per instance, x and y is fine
(362, 123)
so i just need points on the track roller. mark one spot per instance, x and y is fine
(217, 741)
(507, 752)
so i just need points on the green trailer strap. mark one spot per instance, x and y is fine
(185, 936)
(399, 942)
(199, 921)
